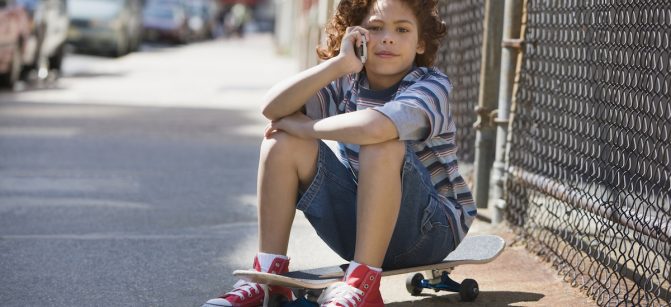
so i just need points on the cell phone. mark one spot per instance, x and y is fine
(362, 51)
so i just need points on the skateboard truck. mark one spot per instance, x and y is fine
(468, 289)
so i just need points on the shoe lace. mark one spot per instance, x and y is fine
(340, 293)
(244, 289)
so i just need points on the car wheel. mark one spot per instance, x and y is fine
(9, 78)
(33, 64)
(120, 47)
(56, 60)
(137, 40)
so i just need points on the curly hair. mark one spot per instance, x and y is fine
(352, 12)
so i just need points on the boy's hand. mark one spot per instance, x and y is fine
(348, 56)
(297, 124)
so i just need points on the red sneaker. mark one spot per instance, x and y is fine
(361, 289)
(248, 294)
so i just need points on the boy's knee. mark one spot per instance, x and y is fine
(280, 142)
(385, 152)
(279, 139)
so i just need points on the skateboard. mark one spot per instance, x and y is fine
(307, 284)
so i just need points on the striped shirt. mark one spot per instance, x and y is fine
(418, 107)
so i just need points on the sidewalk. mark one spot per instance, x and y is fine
(515, 278)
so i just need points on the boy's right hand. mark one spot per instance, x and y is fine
(348, 55)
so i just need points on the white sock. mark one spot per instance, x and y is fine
(265, 260)
(353, 265)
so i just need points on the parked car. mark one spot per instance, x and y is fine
(105, 26)
(14, 31)
(202, 18)
(45, 46)
(166, 21)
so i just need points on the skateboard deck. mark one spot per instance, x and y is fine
(472, 250)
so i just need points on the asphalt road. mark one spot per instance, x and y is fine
(132, 181)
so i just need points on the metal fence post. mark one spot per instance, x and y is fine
(511, 46)
(489, 88)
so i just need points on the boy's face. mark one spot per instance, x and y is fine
(394, 39)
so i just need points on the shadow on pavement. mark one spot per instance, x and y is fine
(95, 74)
(489, 298)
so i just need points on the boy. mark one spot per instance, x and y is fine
(389, 194)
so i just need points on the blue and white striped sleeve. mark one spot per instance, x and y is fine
(421, 111)
(324, 103)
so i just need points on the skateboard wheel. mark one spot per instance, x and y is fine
(413, 284)
(469, 290)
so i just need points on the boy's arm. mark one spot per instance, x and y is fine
(290, 96)
(360, 127)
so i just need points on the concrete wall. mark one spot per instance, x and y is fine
(299, 28)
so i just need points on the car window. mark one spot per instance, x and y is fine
(160, 12)
(153, 3)
(94, 9)
(29, 4)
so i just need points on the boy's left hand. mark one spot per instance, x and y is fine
(297, 124)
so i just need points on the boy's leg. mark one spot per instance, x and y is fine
(378, 199)
(392, 181)
(377, 209)
(287, 163)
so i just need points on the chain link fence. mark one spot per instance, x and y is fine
(459, 57)
(589, 166)
(590, 151)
